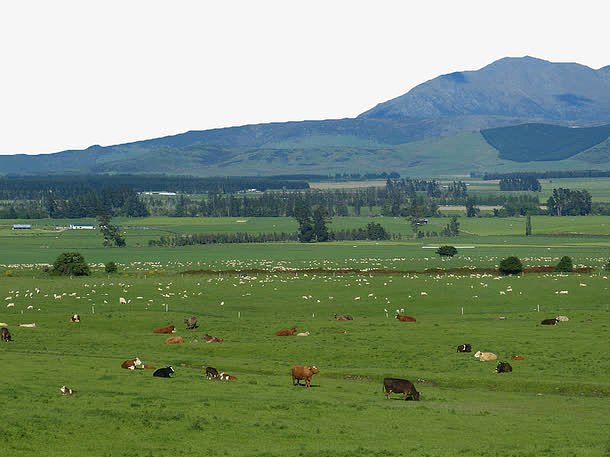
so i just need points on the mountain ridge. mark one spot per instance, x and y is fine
(403, 134)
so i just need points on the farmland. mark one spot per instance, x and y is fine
(554, 403)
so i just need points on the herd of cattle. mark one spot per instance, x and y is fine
(299, 372)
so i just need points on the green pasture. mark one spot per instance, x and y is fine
(555, 401)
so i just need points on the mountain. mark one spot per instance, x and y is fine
(524, 87)
(452, 124)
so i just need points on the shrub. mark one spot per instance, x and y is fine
(565, 264)
(70, 264)
(511, 266)
(446, 251)
(110, 267)
(607, 266)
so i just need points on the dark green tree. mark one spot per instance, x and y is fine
(452, 228)
(446, 251)
(302, 213)
(471, 209)
(111, 233)
(511, 266)
(110, 267)
(565, 264)
(320, 221)
(70, 264)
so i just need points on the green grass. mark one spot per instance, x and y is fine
(552, 400)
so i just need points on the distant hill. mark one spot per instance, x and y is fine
(433, 129)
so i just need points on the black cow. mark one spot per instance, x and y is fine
(552, 321)
(211, 373)
(5, 335)
(464, 348)
(164, 372)
(191, 323)
(504, 367)
(400, 386)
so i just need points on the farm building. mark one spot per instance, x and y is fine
(22, 226)
(82, 227)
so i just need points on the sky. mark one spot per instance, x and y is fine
(77, 73)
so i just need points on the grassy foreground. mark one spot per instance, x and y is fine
(554, 403)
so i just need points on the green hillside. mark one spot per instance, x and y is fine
(543, 142)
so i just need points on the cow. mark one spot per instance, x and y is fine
(5, 335)
(464, 348)
(562, 318)
(343, 317)
(66, 390)
(211, 373)
(303, 334)
(305, 373)
(485, 356)
(552, 321)
(75, 318)
(212, 339)
(403, 318)
(32, 325)
(132, 364)
(400, 386)
(174, 340)
(226, 377)
(517, 357)
(504, 367)
(164, 372)
(287, 332)
(166, 329)
(191, 323)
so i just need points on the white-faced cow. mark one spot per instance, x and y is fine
(164, 372)
(211, 373)
(552, 321)
(464, 348)
(66, 390)
(75, 318)
(300, 372)
(132, 364)
(400, 386)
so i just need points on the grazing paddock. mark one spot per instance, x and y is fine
(551, 401)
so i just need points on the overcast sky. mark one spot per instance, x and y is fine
(78, 73)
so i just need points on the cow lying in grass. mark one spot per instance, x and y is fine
(485, 356)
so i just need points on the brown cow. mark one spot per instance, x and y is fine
(226, 377)
(403, 318)
(286, 332)
(212, 339)
(132, 364)
(166, 329)
(343, 317)
(191, 323)
(300, 372)
(174, 340)
(517, 357)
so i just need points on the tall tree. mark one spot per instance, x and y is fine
(110, 232)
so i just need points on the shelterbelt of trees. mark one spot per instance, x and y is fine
(403, 197)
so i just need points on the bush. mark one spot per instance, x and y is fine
(511, 266)
(70, 264)
(607, 266)
(565, 264)
(446, 251)
(110, 267)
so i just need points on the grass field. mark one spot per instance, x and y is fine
(555, 402)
